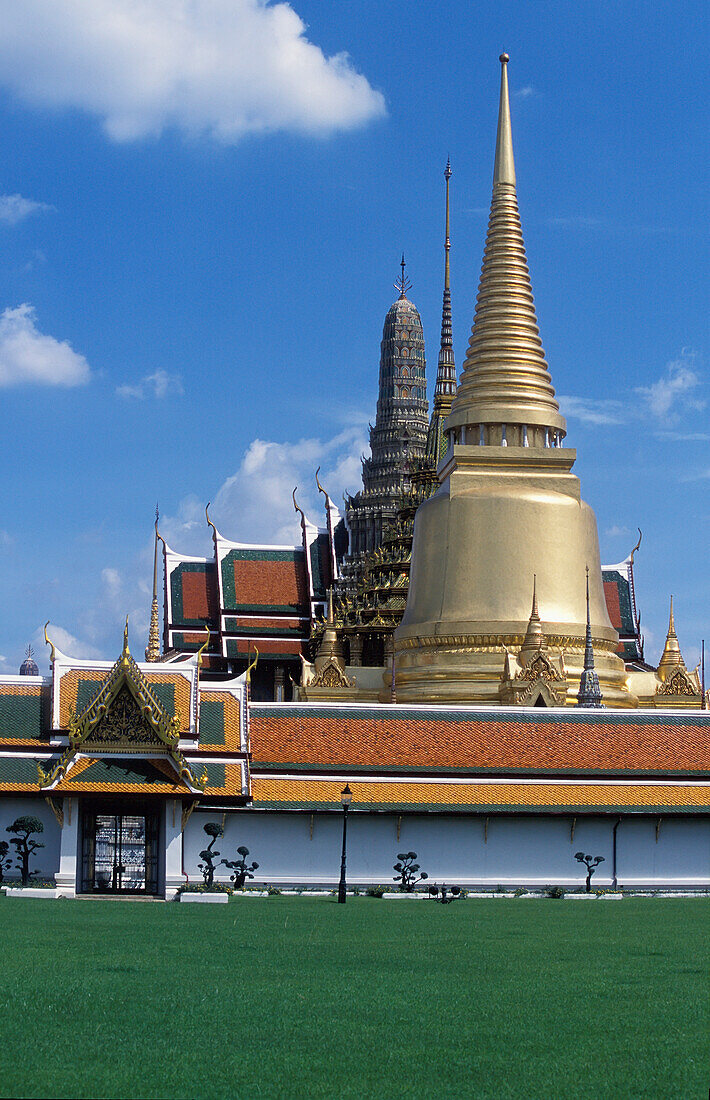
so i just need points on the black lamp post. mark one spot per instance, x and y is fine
(346, 798)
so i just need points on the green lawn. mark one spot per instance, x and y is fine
(291, 997)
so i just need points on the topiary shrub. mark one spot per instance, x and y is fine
(445, 894)
(375, 891)
(406, 870)
(591, 863)
(555, 891)
(208, 855)
(25, 827)
(5, 860)
(241, 871)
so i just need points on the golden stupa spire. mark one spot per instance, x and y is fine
(152, 652)
(671, 657)
(506, 396)
(534, 635)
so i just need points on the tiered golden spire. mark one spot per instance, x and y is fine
(505, 381)
(152, 652)
(534, 635)
(671, 657)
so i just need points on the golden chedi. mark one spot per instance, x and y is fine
(508, 506)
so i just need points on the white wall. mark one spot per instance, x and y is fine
(46, 860)
(680, 855)
(532, 850)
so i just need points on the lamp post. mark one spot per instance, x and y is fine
(346, 798)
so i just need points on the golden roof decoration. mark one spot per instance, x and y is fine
(124, 717)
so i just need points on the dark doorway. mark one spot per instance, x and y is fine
(120, 850)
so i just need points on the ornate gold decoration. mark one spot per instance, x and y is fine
(331, 676)
(671, 658)
(678, 683)
(297, 507)
(203, 647)
(186, 812)
(209, 522)
(124, 717)
(252, 666)
(56, 808)
(152, 653)
(49, 642)
(320, 487)
(636, 547)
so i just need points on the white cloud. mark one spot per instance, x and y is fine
(256, 503)
(616, 532)
(675, 390)
(684, 437)
(525, 93)
(30, 356)
(15, 208)
(220, 67)
(112, 581)
(160, 384)
(65, 642)
(701, 475)
(591, 411)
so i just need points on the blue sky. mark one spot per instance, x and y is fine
(203, 208)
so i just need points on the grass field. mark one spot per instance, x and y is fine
(290, 997)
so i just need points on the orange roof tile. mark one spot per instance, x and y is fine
(308, 792)
(432, 738)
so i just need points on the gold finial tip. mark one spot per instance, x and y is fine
(504, 59)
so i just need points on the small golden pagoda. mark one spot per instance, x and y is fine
(508, 505)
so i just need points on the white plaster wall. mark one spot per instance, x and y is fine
(517, 850)
(46, 860)
(680, 855)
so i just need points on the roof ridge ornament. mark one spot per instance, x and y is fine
(50, 643)
(209, 521)
(125, 674)
(298, 508)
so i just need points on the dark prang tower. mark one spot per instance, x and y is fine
(399, 436)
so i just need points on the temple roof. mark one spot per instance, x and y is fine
(465, 739)
(532, 796)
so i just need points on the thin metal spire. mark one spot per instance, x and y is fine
(445, 387)
(402, 284)
(152, 652)
(589, 694)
